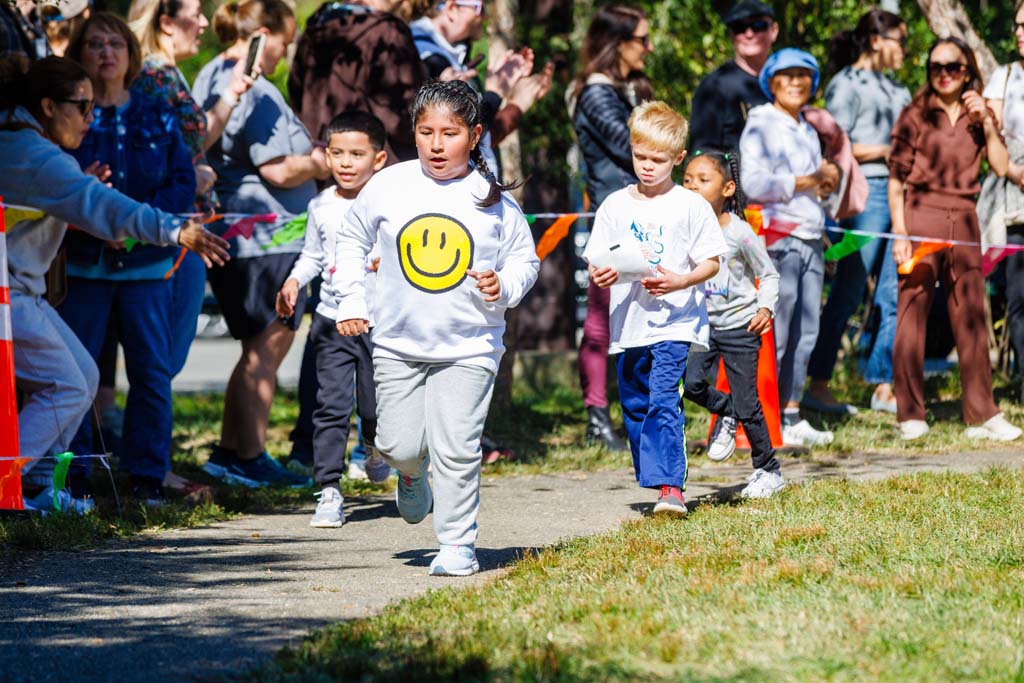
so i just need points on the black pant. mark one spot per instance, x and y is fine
(739, 350)
(1015, 295)
(341, 362)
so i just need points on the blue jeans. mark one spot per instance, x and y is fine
(143, 310)
(652, 410)
(847, 292)
(189, 288)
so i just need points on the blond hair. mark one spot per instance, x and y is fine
(659, 126)
(144, 21)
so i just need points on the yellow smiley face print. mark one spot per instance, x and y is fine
(435, 251)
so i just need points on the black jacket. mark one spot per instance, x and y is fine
(600, 118)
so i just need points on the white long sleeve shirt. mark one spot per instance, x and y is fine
(323, 223)
(430, 233)
(775, 149)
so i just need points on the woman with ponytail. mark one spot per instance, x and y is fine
(265, 164)
(600, 101)
(456, 252)
(44, 189)
(865, 101)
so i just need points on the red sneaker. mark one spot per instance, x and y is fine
(670, 502)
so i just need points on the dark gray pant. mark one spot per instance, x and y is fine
(738, 349)
(341, 362)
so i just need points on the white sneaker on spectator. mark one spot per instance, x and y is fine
(913, 429)
(995, 429)
(329, 513)
(763, 484)
(356, 472)
(803, 434)
(723, 439)
(43, 502)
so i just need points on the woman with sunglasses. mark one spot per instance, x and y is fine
(51, 108)
(130, 288)
(937, 147)
(865, 101)
(1005, 96)
(600, 101)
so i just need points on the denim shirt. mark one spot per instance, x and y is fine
(149, 162)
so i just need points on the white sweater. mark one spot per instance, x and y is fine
(426, 307)
(774, 150)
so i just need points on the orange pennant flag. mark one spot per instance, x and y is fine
(555, 234)
(907, 267)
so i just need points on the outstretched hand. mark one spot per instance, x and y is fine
(211, 248)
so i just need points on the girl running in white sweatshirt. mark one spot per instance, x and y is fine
(456, 252)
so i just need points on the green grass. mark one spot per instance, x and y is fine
(916, 578)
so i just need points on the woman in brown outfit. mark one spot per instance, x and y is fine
(937, 145)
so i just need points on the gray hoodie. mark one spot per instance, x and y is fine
(36, 173)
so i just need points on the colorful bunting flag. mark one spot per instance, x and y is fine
(850, 244)
(244, 226)
(555, 233)
(926, 248)
(289, 232)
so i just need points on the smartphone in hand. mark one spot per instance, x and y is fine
(256, 43)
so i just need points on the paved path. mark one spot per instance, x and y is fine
(193, 604)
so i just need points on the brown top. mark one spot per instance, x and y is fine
(352, 57)
(932, 155)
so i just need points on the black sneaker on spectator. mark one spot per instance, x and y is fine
(148, 491)
(262, 470)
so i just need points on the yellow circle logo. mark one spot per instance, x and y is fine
(435, 251)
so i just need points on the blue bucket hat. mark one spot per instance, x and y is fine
(787, 58)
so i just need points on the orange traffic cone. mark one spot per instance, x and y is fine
(10, 464)
(767, 391)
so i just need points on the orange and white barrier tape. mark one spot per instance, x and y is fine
(10, 466)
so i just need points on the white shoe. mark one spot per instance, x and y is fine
(329, 514)
(995, 429)
(723, 441)
(803, 434)
(913, 429)
(455, 560)
(881, 406)
(356, 472)
(763, 484)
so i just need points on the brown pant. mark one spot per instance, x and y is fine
(960, 269)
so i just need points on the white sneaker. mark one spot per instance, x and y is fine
(913, 429)
(455, 560)
(803, 434)
(763, 484)
(355, 470)
(881, 406)
(995, 429)
(329, 514)
(723, 440)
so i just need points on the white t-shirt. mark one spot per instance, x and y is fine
(430, 232)
(1012, 94)
(680, 230)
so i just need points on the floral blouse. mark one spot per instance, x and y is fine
(165, 81)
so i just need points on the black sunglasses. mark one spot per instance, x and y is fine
(757, 26)
(644, 40)
(951, 68)
(84, 107)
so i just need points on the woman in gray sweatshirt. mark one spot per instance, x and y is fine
(44, 190)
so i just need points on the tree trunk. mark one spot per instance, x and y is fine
(948, 18)
(502, 38)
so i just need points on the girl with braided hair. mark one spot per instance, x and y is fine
(455, 253)
(740, 310)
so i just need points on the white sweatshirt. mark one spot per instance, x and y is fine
(775, 148)
(426, 307)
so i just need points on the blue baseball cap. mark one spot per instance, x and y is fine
(787, 58)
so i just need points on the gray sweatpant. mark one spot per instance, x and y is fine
(801, 267)
(436, 410)
(59, 377)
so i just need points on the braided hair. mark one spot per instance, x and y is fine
(728, 164)
(463, 103)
